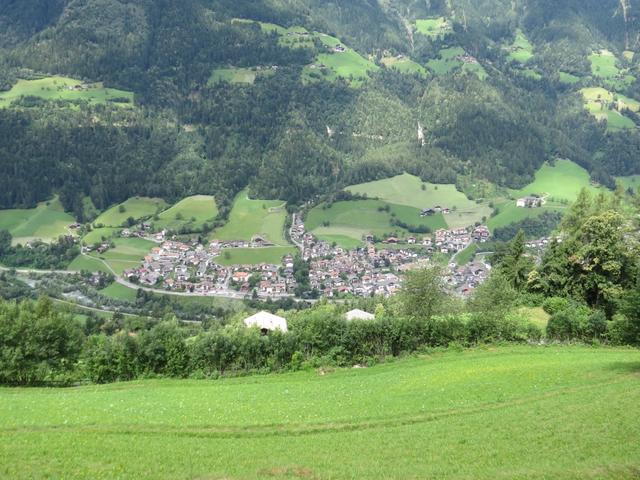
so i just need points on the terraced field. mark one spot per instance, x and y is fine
(486, 414)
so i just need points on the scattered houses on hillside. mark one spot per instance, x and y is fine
(529, 202)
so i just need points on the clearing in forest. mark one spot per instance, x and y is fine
(502, 412)
(189, 214)
(138, 208)
(434, 28)
(64, 88)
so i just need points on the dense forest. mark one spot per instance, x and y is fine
(287, 135)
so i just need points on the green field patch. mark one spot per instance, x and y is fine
(466, 255)
(509, 212)
(605, 66)
(64, 88)
(333, 64)
(607, 106)
(254, 256)
(249, 218)
(631, 181)
(572, 411)
(188, 214)
(351, 221)
(455, 58)
(119, 292)
(87, 264)
(438, 27)
(405, 65)
(46, 222)
(127, 254)
(138, 208)
(292, 37)
(521, 50)
(99, 235)
(530, 73)
(568, 78)
(408, 190)
(245, 76)
(562, 181)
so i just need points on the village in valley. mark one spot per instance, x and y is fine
(376, 268)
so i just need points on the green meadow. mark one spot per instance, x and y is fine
(347, 223)
(449, 60)
(434, 27)
(254, 256)
(491, 413)
(119, 292)
(138, 208)
(249, 218)
(521, 50)
(348, 65)
(510, 213)
(605, 65)
(605, 105)
(568, 78)
(128, 253)
(293, 37)
(99, 235)
(405, 65)
(238, 75)
(408, 190)
(46, 222)
(64, 88)
(189, 213)
(632, 181)
(88, 264)
(561, 181)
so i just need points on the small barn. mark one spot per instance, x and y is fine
(359, 315)
(267, 322)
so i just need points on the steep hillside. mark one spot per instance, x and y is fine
(228, 95)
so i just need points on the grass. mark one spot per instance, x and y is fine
(254, 256)
(89, 264)
(466, 255)
(631, 181)
(120, 292)
(138, 208)
(62, 88)
(536, 315)
(348, 65)
(238, 75)
(46, 222)
(604, 65)
(249, 218)
(562, 181)
(521, 50)
(407, 190)
(190, 213)
(434, 27)
(606, 105)
(99, 235)
(293, 37)
(347, 223)
(510, 213)
(128, 253)
(450, 60)
(497, 413)
(568, 78)
(405, 65)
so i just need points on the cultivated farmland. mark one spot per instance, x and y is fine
(509, 412)
(137, 208)
(189, 213)
(127, 254)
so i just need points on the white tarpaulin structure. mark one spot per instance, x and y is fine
(266, 321)
(359, 315)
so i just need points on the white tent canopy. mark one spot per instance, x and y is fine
(359, 315)
(267, 321)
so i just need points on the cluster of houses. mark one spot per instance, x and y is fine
(530, 202)
(429, 212)
(465, 279)
(457, 239)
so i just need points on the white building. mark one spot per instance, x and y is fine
(359, 315)
(267, 322)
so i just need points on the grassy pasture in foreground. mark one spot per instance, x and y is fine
(508, 412)
(254, 217)
(407, 190)
(190, 213)
(46, 222)
(136, 207)
(64, 88)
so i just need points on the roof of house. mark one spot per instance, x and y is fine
(267, 321)
(359, 315)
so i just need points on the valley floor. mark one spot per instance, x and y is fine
(506, 412)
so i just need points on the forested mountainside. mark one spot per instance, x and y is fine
(295, 98)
